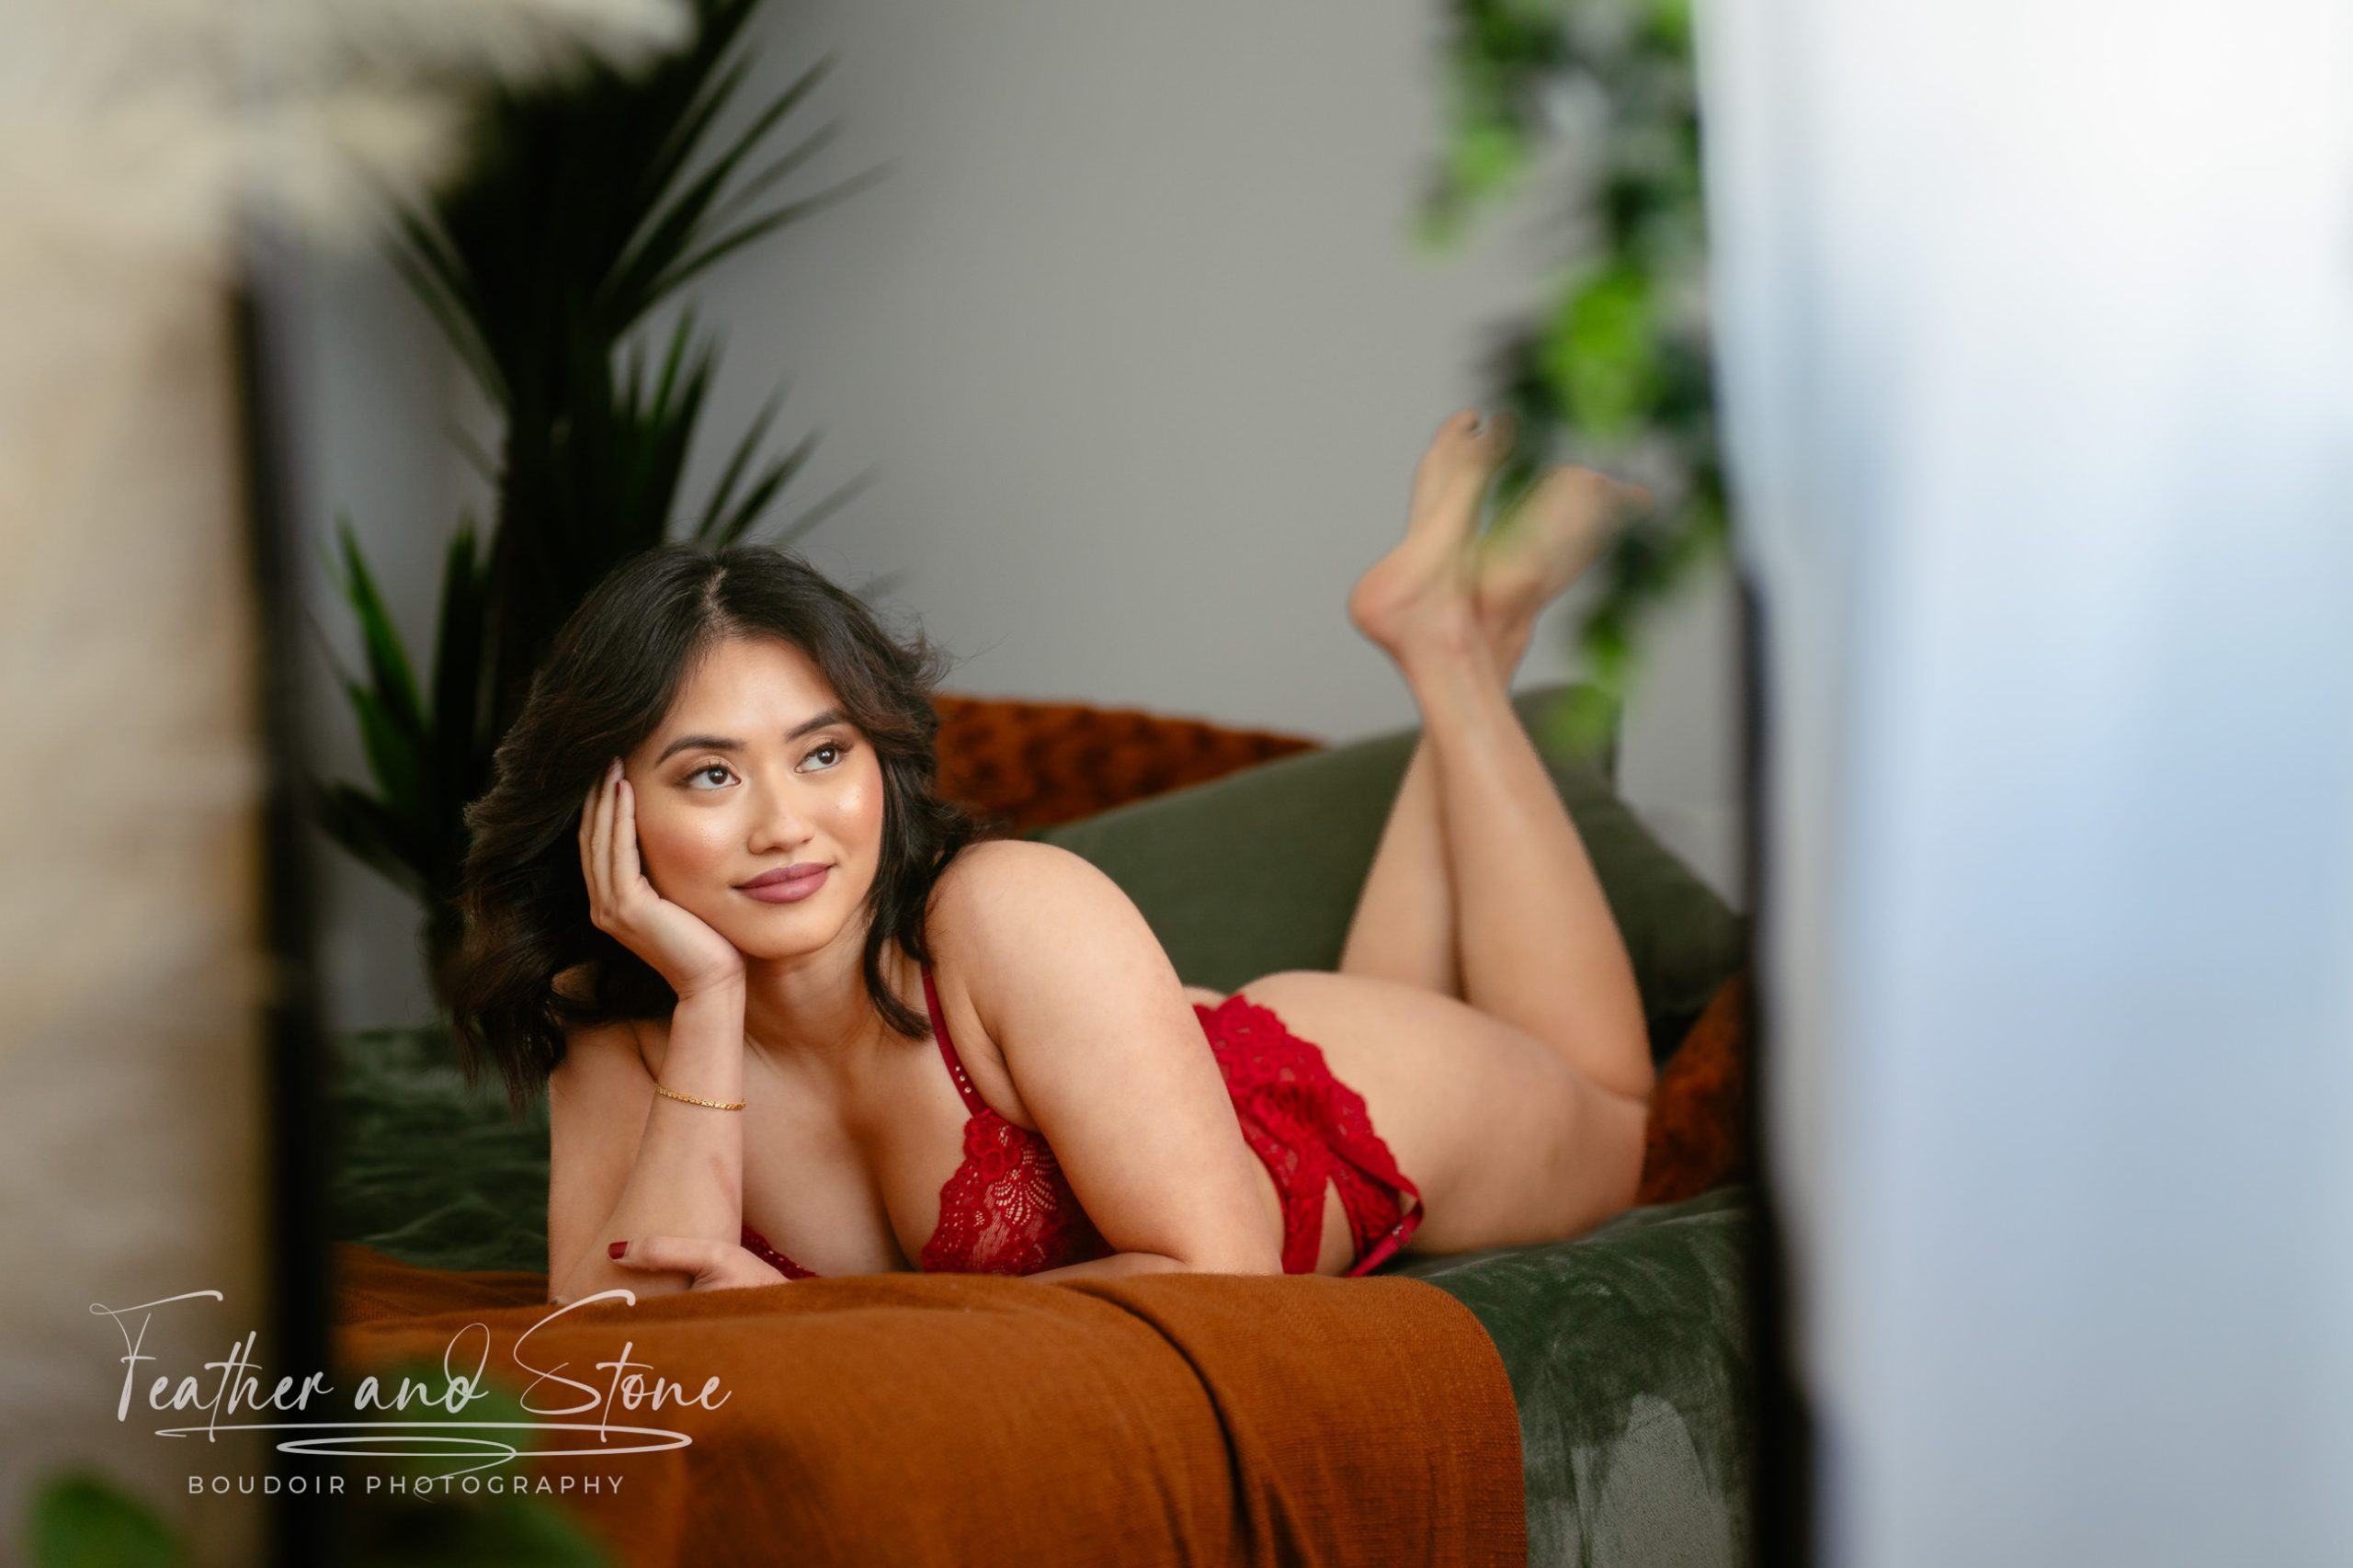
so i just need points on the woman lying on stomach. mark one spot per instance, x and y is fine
(797, 1015)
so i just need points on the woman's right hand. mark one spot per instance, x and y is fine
(624, 905)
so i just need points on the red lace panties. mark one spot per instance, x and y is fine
(1309, 1129)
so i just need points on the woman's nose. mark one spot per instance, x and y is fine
(779, 822)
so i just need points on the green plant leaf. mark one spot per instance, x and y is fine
(458, 665)
(388, 667)
(1486, 156)
(703, 88)
(729, 207)
(434, 275)
(1600, 353)
(392, 757)
(721, 527)
(745, 234)
(749, 443)
(361, 826)
(80, 1519)
(826, 508)
(673, 229)
(681, 339)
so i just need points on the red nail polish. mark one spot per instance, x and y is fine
(617, 1249)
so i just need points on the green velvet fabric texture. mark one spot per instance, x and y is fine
(1260, 871)
(429, 1170)
(1628, 1351)
(1625, 1347)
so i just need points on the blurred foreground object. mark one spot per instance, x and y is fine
(135, 141)
(2036, 332)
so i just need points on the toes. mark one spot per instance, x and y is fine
(1496, 433)
(1589, 490)
(1462, 458)
(1553, 533)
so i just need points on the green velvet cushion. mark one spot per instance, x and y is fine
(1260, 871)
(426, 1170)
(1628, 1352)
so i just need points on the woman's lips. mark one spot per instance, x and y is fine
(792, 889)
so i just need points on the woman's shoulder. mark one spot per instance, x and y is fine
(577, 985)
(992, 901)
(996, 890)
(1018, 912)
(996, 868)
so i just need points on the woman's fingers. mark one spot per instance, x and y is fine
(625, 866)
(600, 836)
(669, 1254)
(673, 1254)
(716, 1266)
(589, 834)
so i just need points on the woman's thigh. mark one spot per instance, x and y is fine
(1507, 1141)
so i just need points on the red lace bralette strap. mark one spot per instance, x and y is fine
(758, 1245)
(948, 1048)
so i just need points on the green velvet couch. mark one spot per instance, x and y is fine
(1626, 1347)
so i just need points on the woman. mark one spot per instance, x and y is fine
(796, 1016)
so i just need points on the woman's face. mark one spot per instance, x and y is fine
(752, 771)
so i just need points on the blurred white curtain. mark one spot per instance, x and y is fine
(2036, 336)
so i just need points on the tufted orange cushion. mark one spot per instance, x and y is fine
(1036, 764)
(1698, 1126)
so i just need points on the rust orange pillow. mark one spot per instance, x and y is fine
(1698, 1126)
(1037, 764)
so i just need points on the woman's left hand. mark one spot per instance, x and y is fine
(716, 1266)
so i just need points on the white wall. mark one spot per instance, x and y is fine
(1132, 334)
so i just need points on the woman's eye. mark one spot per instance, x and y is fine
(707, 770)
(829, 746)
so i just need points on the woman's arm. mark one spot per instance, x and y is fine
(1123, 1263)
(625, 1162)
(1108, 1056)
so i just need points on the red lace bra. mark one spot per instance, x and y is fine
(1007, 1209)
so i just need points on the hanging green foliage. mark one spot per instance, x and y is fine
(1614, 369)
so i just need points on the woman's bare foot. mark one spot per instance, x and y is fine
(1542, 545)
(1424, 586)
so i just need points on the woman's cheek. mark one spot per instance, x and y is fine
(863, 816)
(683, 851)
(857, 805)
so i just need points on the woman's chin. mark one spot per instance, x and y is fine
(775, 936)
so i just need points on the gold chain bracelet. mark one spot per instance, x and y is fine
(715, 1104)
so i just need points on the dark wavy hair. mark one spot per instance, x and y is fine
(608, 679)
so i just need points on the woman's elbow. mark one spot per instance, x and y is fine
(1248, 1260)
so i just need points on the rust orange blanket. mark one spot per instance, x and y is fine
(975, 1418)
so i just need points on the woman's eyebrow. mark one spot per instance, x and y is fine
(720, 743)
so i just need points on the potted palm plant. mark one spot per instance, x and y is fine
(590, 201)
